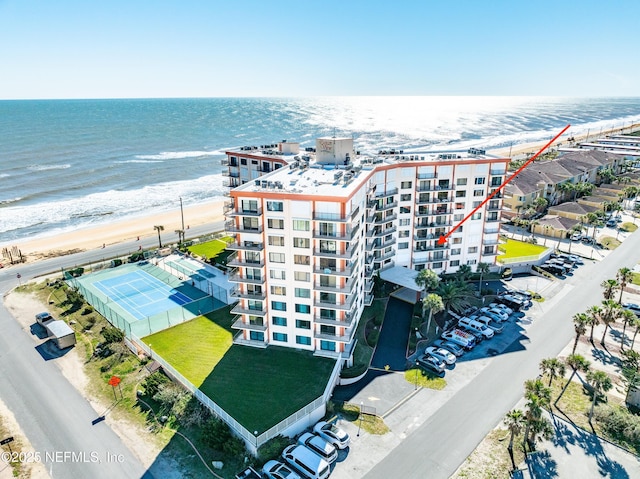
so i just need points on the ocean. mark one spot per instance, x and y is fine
(67, 164)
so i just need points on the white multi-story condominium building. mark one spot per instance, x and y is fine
(310, 234)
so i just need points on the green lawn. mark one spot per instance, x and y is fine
(609, 242)
(515, 249)
(636, 279)
(258, 387)
(210, 249)
(630, 227)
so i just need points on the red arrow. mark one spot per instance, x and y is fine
(443, 238)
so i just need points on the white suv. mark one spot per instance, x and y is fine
(477, 326)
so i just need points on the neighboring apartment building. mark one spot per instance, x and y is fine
(311, 234)
(544, 179)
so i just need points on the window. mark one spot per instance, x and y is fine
(303, 324)
(478, 192)
(461, 193)
(256, 335)
(275, 224)
(301, 242)
(493, 216)
(301, 225)
(279, 305)
(305, 340)
(279, 290)
(327, 345)
(276, 257)
(301, 276)
(457, 240)
(303, 308)
(301, 259)
(488, 250)
(254, 305)
(253, 273)
(405, 222)
(249, 206)
(406, 184)
(303, 293)
(251, 224)
(455, 262)
(243, 161)
(459, 206)
(496, 180)
(471, 262)
(476, 216)
(403, 245)
(455, 251)
(276, 274)
(279, 321)
(275, 206)
(480, 181)
(405, 209)
(405, 197)
(476, 204)
(276, 240)
(461, 182)
(458, 217)
(437, 265)
(327, 246)
(472, 249)
(403, 234)
(522, 198)
(280, 337)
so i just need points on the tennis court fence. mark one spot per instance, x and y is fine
(129, 324)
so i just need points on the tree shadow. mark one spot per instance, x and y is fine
(541, 465)
(605, 357)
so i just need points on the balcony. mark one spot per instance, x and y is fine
(333, 217)
(492, 220)
(348, 254)
(246, 246)
(381, 220)
(348, 236)
(334, 271)
(224, 161)
(240, 324)
(238, 309)
(231, 227)
(368, 299)
(344, 306)
(231, 183)
(249, 295)
(343, 323)
(334, 289)
(432, 247)
(346, 338)
(391, 192)
(492, 253)
(379, 245)
(241, 212)
(377, 232)
(422, 201)
(499, 171)
(231, 174)
(386, 206)
(388, 255)
(368, 285)
(237, 278)
(426, 176)
(244, 263)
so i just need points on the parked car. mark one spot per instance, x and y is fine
(576, 236)
(554, 269)
(441, 354)
(277, 470)
(476, 334)
(319, 446)
(502, 307)
(306, 462)
(587, 240)
(332, 434)
(495, 313)
(462, 338)
(477, 326)
(43, 318)
(632, 307)
(431, 364)
(491, 324)
(611, 223)
(449, 346)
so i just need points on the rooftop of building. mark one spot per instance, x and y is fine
(557, 222)
(574, 207)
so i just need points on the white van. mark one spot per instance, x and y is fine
(457, 336)
(476, 326)
(306, 462)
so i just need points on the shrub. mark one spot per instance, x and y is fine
(74, 296)
(234, 446)
(87, 310)
(172, 398)
(272, 448)
(112, 335)
(152, 383)
(377, 319)
(620, 424)
(91, 320)
(194, 414)
(372, 337)
(216, 433)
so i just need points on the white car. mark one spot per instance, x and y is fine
(332, 434)
(495, 313)
(441, 354)
(319, 446)
(451, 347)
(502, 307)
(278, 470)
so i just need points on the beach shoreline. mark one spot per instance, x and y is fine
(137, 228)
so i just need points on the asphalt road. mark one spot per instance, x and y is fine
(438, 447)
(55, 417)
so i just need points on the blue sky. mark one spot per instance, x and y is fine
(188, 48)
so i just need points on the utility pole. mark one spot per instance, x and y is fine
(182, 218)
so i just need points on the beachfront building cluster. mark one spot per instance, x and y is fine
(312, 227)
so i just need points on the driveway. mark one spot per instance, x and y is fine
(391, 351)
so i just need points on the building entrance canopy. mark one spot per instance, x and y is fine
(402, 276)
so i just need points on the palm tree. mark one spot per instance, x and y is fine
(577, 363)
(538, 396)
(580, 323)
(537, 388)
(464, 272)
(566, 187)
(455, 295)
(594, 313)
(482, 268)
(180, 234)
(583, 189)
(610, 287)
(433, 303)
(600, 382)
(616, 207)
(159, 228)
(607, 175)
(627, 318)
(611, 312)
(532, 229)
(541, 203)
(515, 421)
(635, 322)
(427, 279)
(553, 367)
(624, 277)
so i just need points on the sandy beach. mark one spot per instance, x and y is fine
(532, 148)
(119, 231)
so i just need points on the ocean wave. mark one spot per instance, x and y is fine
(177, 155)
(124, 162)
(4, 175)
(11, 200)
(48, 167)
